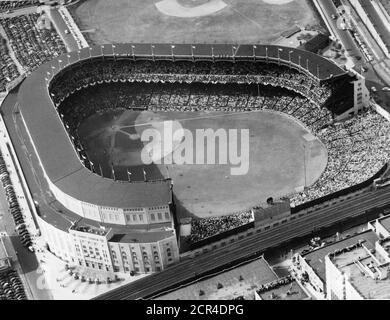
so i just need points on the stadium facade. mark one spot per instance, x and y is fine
(130, 226)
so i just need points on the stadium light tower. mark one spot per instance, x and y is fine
(132, 51)
(254, 52)
(304, 163)
(91, 165)
(192, 52)
(113, 171)
(173, 54)
(289, 56)
(59, 64)
(234, 53)
(90, 52)
(78, 54)
(299, 60)
(212, 52)
(113, 50)
(68, 56)
(307, 64)
(102, 50)
(318, 71)
(279, 51)
(266, 53)
(152, 48)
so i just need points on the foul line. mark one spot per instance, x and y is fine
(188, 119)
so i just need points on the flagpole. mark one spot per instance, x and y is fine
(132, 51)
(101, 171)
(113, 171)
(192, 53)
(173, 54)
(92, 166)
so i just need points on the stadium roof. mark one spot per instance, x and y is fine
(55, 149)
(61, 163)
(254, 273)
(319, 67)
(50, 209)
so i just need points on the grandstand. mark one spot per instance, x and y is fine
(143, 211)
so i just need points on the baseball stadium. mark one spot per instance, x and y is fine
(76, 123)
(264, 142)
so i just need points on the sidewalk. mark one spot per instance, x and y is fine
(63, 286)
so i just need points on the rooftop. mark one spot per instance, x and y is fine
(240, 281)
(316, 258)
(385, 222)
(385, 245)
(365, 270)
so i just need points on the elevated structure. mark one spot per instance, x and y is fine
(374, 15)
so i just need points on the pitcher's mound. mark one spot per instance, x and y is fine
(190, 9)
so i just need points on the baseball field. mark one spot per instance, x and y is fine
(276, 157)
(190, 21)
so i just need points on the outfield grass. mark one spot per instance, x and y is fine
(276, 162)
(241, 21)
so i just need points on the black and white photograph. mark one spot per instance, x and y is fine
(192, 155)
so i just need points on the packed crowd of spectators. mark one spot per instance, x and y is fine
(17, 4)
(8, 70)
(357, 148)
(275, 284)
(11, 287)
(31, 45)
(208, 227)
(187, 72)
